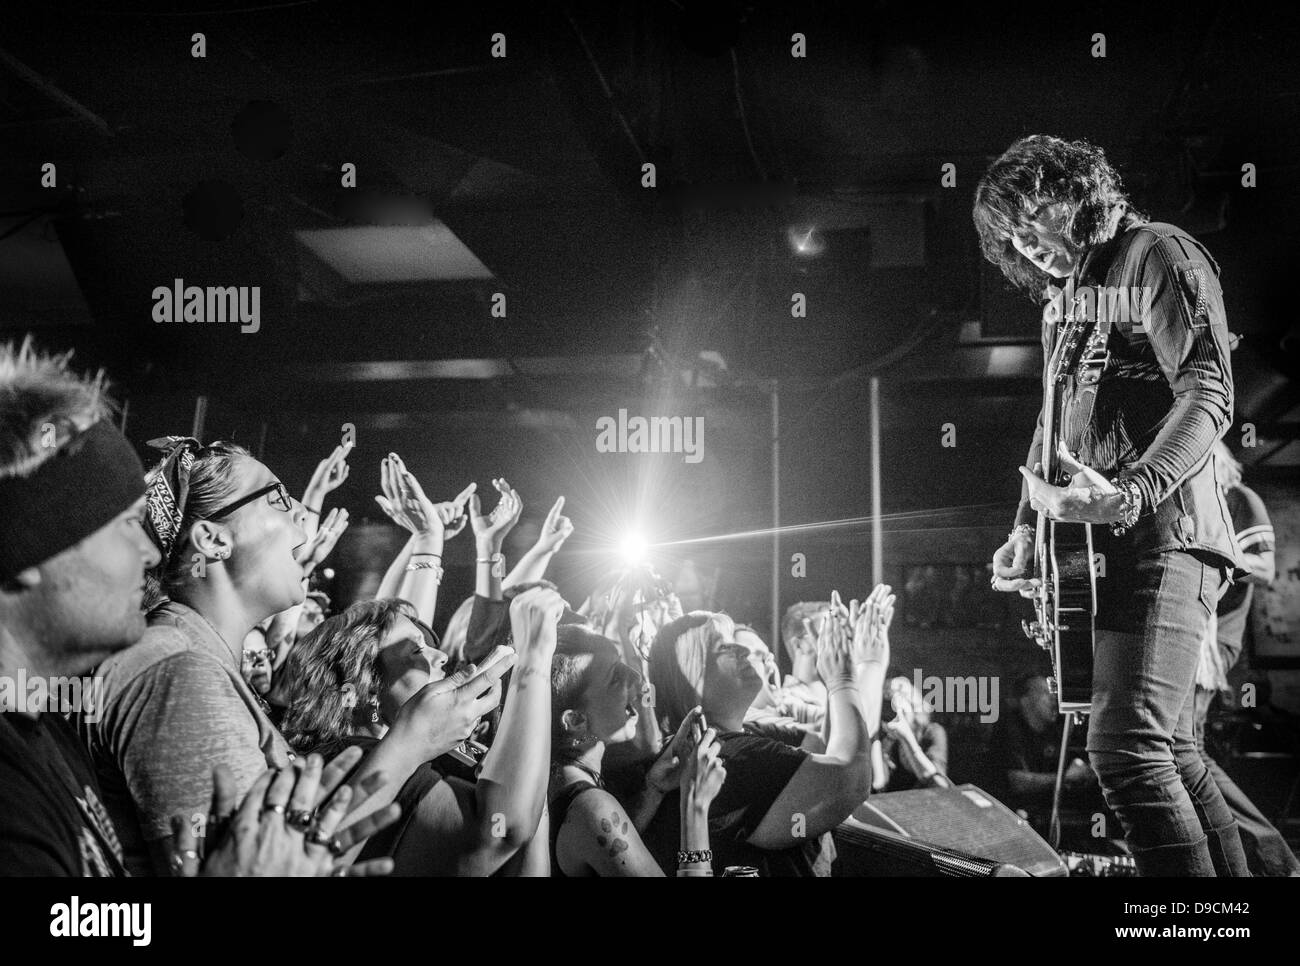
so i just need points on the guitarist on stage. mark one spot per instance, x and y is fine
(1052, 216)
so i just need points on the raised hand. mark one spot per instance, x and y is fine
(534, 616)
(493, 527)
(441, 715)
(330, 474)
(666, 772)
(455, 513)
(834, 645)
(555, 530)
(704, 773)
(314, 551)
(870, 621)
(404, 500)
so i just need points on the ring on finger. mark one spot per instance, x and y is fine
(301, 819)
(278, 809)
(317, 837)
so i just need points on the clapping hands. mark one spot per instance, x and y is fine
(870, 621)
(287, 824)
(835, 644)
(493, 527)
(405, 503)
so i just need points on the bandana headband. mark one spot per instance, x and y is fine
(169, 487)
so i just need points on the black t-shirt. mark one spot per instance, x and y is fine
(758, 769)
(1254, 533)
(52, 819)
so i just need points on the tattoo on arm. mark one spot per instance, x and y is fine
(614, 837)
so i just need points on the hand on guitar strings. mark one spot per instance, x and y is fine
(1089, 497)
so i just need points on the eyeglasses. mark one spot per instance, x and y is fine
(258, 656)
(278, 498)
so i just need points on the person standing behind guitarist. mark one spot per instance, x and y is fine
(1052, 216)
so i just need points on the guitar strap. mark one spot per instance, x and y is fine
(1092, 363)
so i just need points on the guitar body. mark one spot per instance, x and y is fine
(1065, 604)
(1066, 610)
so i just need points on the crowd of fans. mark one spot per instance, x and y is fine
(240, 726)
(237, 723)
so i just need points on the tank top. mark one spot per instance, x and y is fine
(559, 809)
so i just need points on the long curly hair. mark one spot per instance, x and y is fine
(1035, 172)
(343, 650)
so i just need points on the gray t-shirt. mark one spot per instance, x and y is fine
(175, 706)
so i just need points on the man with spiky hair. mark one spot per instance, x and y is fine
(73, 556)
(1136, 437)
(72, 562)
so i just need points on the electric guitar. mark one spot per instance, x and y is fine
(1065, 602)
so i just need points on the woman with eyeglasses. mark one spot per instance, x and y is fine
(255, 666)
(595, 701)
(233, 553)
(176, 703)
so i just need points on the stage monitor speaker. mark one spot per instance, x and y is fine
(960, 831)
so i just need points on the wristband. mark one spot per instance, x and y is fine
(705, 873)
(423, 565)
(311, 509)
(1130, 507)
(497, 562)
(421, 553)
(694, 857)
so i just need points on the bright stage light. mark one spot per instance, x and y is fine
(634, 549)
(806, 240)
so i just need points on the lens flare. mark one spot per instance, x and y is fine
(633, 549)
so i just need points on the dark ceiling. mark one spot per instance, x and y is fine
(534, 161)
